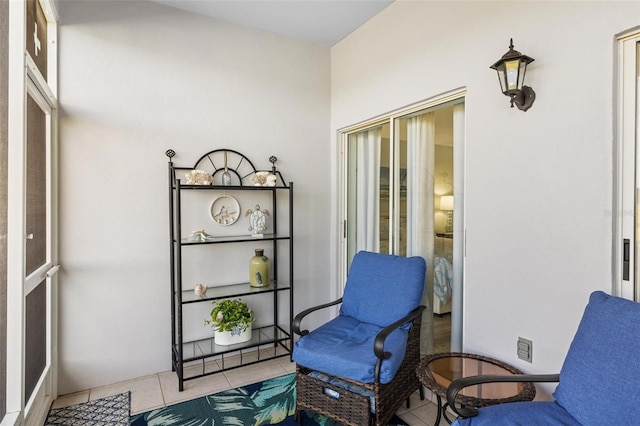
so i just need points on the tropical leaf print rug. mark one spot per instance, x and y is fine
(266, 403)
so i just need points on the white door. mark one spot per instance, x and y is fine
(30, 204)
(627, 208)
(39, 282)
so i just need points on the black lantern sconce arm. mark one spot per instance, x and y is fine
(511, 70)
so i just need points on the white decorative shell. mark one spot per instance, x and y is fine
(198, 177)
(263, 179)
(200, 290)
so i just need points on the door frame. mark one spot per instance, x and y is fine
(459, 211)
(26, 80)
(627, 161)
(342, 139)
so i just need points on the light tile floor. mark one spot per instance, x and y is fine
(159, 390)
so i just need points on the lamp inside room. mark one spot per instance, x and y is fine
(446, 204)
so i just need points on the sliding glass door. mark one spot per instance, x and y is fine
(627, 207)
(398, 171)
(4, 143)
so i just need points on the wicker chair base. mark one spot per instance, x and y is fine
(352, 409)
(349, 409)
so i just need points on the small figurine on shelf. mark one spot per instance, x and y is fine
(199, 236)
(198, 177)
(257, 221)
(200, 290)
(263, 179)
(271, 180)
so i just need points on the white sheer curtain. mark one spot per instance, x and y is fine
(368, 190)
(420, 210)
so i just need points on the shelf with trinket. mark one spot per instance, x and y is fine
(223, 198)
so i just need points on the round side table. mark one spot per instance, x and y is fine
(437, 371)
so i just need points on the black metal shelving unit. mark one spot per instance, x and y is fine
(276, 334)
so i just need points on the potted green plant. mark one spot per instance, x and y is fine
(231, 320)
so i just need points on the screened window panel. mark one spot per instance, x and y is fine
(36, 244)
(36, 187)
(35, 337)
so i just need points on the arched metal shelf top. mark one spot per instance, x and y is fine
(238, 165)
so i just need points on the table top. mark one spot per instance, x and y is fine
(437, 371)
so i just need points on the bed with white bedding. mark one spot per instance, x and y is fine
(442, 274)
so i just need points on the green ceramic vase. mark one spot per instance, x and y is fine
(259, 270)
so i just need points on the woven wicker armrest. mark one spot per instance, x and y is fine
(457, 385)
(295, 326)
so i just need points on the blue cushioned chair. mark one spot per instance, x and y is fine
(599, 383)
(358, 368)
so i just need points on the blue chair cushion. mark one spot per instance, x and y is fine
(600, 377)
(344, 347)
(383, 288)
(536, 413)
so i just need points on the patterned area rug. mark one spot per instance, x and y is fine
(110, 411)
(266, 403)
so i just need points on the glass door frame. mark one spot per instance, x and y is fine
(459, 217)
(626, 241)
(343, 172)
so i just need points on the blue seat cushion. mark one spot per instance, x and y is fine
(600, 377)
(383, 288)
(535, 413)
(344, 347)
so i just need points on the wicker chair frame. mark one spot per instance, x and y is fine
(352, 409)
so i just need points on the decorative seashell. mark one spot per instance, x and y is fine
(271, 180)
(199, 236)
(259, 178)
(200, 290)
(198, 177)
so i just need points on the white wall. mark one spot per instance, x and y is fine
(137, 78)
(539, 183)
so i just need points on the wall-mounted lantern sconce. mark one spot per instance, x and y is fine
(511, 69)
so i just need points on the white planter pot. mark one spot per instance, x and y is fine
(232, 337)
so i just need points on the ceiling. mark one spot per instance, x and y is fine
(318, 21)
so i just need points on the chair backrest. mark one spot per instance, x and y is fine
(382, 288)
(600, 377)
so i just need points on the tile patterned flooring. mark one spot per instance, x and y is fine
(159, 390)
